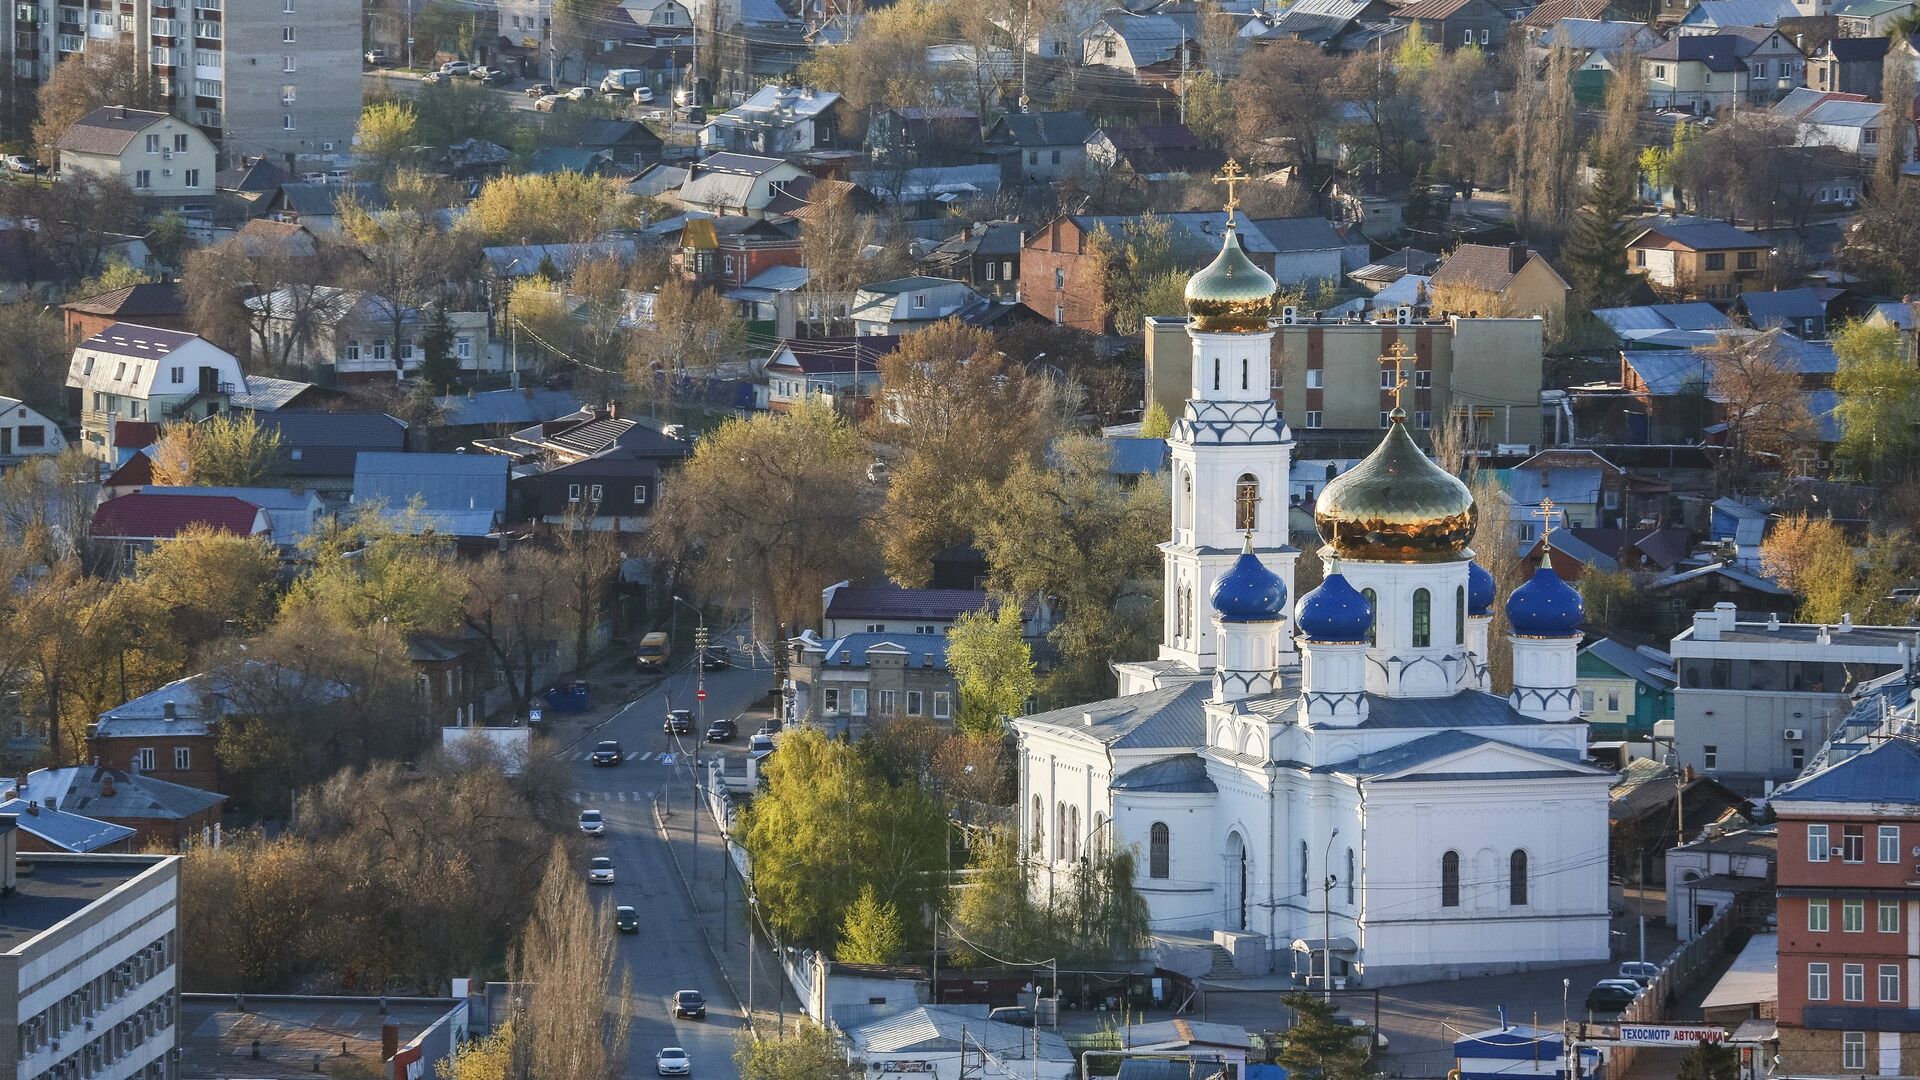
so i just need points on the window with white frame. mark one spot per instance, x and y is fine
(887, 701)
(379, 348)
(1316, 378)
(143, 759)
(182, 758)
(1889, 843)
(1313, 418)
(1819, 845)
(639, 494)
(830, 699)
(1853, 1051)
(1817, 985)
(1890, 984)
(573, 492)
(942, 705)
(857, 701)
(1853, 916)
(1853, 982)
(913, 703)
(1818, 916)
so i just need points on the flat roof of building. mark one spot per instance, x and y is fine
(216, 1036)
(48, 891)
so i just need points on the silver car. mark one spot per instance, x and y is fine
(672, 1061)
(600, 870)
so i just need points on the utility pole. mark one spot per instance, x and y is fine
(1183, 74)
(1326, 925)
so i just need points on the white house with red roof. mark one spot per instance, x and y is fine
(141, 520)
(146, 375)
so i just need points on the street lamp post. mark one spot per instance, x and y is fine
(1326, 924)
(699, 720)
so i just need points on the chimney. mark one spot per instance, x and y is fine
(389, 1041)
(1517, 256)
(106, 786)
(170, 711)
(9, 852)
(1706, 626)
(1727, 613)
(1846, 623)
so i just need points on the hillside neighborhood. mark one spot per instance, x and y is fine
(777, 539)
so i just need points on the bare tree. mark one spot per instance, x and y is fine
(1759, 389)
(567, 961)
(105, 73)
(1546, 149)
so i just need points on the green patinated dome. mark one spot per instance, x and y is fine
(1231, 295)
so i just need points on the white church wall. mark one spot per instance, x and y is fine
(1186, 898)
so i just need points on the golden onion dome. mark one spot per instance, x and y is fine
(1396, 506)
(1231, 295)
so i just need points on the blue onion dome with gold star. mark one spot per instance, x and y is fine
(1479, 590)
(1396, 506)
(1249, 592)
(1334, 613)
(1546, 606)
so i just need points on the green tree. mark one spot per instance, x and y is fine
(1710, 1061)
(1596, 251)
(367, 571)
(118, 274)
(828, 827)
(387, 129)
(1318, 1048)
(211, 583)
(1155, 424)
(1607, 594)
(1416, 55)
(993, 666)
(810, 1053)
(1089, 914)
(1878, 391)
(439, 368)
(872, 933)
(547, 208)
(227, 450)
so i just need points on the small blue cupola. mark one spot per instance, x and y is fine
(1335, 612)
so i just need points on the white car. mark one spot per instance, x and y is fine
(456, 67)
(1639, 971)
(592, 823)
(643, 95)
(600, 870)
(550, 102)
(672, 1061)
(579, 93)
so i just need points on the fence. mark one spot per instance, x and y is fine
(1678, 974)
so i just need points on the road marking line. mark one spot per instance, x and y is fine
(578, 798)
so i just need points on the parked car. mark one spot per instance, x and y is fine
(497, 77)
(600, 870)
(540, 89)
(626, 920)
(722, 731)
(760, 745)
(1629, 985)
(1640, 971)
(679, 722)
(592, 823)
(550, 102)
(1017, 1015)
(1360, 1029)
(456, 67)
(672, 1061)
(1607, 998)
(433, 77)
(608, 753)
(579, 93)
(716, 658)
(20, 163)
(643, 95)
(374, 57)
(689, 1004)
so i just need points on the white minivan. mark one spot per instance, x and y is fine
(620, 79)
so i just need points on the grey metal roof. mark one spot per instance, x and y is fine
(1168, 716)
(1732, 573)
(1466, 709)
(1564, 485)
(923, 650)
(530, 406)
(444, 482)
(1046, 128)
(1739, 13)
(83, 789)
(314, 443)
(132, 339)
(68, 832)
(1701, 234)
(1184, 774)
(1633, 663)
(1445, 743)
(940, 1028)
(1887, 773)
(264, 394)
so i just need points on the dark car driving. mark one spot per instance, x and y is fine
(679, 722)
(722, 731)
(608, 753)
(689, 1004)
(626, 920)
(716, 658)
(1608, 998)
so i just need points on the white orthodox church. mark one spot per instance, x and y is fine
(1331, 780)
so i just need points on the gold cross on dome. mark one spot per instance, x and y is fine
(1545, 511)
(1230, 175)
(1397, 358)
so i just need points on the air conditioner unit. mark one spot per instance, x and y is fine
(166, 155)
(166, 172)
(326, 146)
(1794, 734)
(1403, 315)
(1289, 315)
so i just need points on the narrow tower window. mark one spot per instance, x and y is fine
(1246, 501)
(1422, 618)
(1243, 373)
(1373, 602)
(1216, 373)
(1450, 879)
(1517, 879)
(1159, 851)
(1460, 615)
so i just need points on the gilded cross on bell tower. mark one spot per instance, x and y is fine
(1397, 357)
(1231, 175)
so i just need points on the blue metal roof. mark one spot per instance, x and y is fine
(1136, 457)
(1669, 372)
(1564, 485)
(1185, 774)
(923, 650)
(1888, 773)
(518, 407)
(440, 481)
(68, 832)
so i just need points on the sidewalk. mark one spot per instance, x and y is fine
(722, 911)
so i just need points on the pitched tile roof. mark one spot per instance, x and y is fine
(893, 602)
(108, 130)
(134, 301)
(1477, 266)
(836, 355)
(144, 516)
(1045, 128)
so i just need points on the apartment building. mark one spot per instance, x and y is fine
(89, 955)
(1756, 699)
(1849, 914)
(261, 77)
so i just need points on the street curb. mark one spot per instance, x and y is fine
(660, 826)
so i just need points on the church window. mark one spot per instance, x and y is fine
(1373, 602)
(1450, 879)
(1216, 373)
(1352, 872)
(1060, 838)
(1517, 879)
(1303, 868)
(1097, 842)
(1246, 500)
(1460, 615)
(1039, 841)
(1422, 618)
(1243, 374)
(1159, 851)
(1074, 836)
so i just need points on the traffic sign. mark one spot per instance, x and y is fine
(533, 716)
(666, 759)
(702, 695)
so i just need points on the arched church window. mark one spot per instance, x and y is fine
(1186, 501)
(1097, 840)
(1246, 501)
(1352, 872)
(1244, 384)
(1073, 834)
(1038, 843)
(1460, 615)
(1517, 879)
(1179, 612)
(1450, 879)
(1373, 602)
(1059, 832)
(1216, 373)
(1159, 851)
(1303, 868)
(1422, 618)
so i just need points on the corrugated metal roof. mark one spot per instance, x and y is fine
(445, 482)
(76, 833)
(1163, 717)
(1739, 13)
(142, 516)
(1185, 773)
(930, 1028)
(1634, 664)
(501, 407)
(1887, 773)
(264, 394)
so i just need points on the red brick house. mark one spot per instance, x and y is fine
(1849, 901)
(727, 252)
(170, 733)
(151, 304)
(160, 813)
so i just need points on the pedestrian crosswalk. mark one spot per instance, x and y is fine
(584, 797)
(587, 755)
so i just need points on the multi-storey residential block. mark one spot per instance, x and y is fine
(273, 77)
(89, 953)
(1849, 914)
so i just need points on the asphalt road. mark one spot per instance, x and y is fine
(668, 954)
